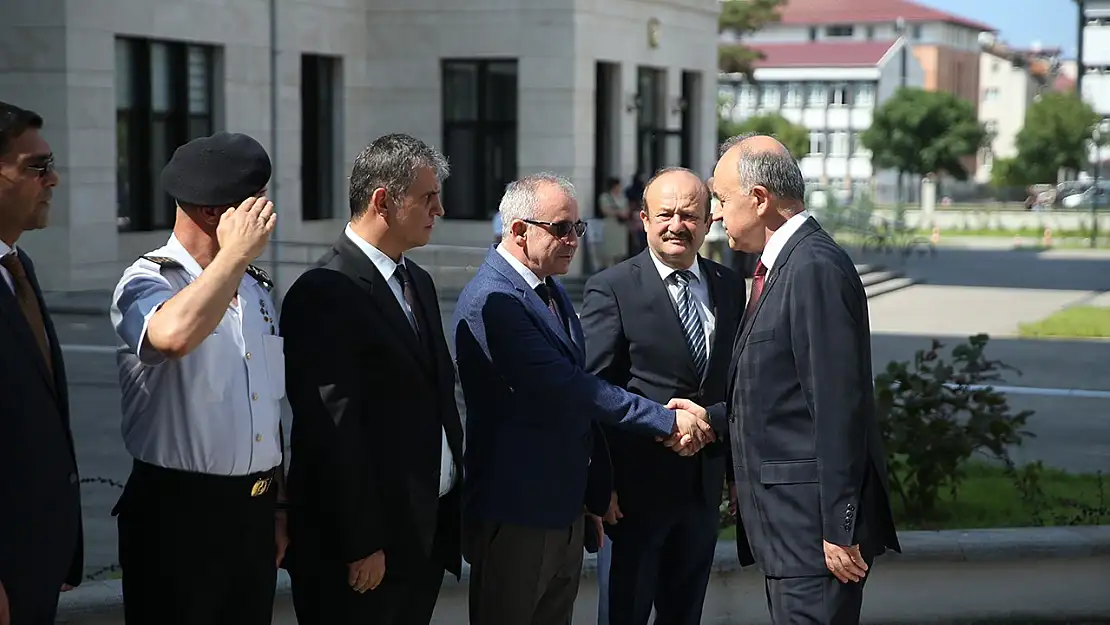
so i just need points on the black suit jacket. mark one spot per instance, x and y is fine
(369, 401)
(809, 459)
(634, 340)
(41, 542)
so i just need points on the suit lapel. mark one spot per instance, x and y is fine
(724, 308)
(659, 305)
(809, 227)
(531, 299)
(382, 295)
(10, 310)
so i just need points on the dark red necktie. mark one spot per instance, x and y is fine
(758, 279)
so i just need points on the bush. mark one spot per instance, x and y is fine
(935, 414)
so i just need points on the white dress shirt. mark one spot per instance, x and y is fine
(216, 410)
(526, 273)
(779, 238)
(388, 269)
(698, 289)
(6, 249)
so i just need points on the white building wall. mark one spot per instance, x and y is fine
(59, 60)
(1005, 95)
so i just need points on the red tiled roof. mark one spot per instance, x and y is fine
(864, 11)
(1063, 84)
(822, 53)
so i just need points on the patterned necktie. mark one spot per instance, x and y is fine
(28, 303)
(409, 292)
(543, 289)
(691, 322)
(758, 278)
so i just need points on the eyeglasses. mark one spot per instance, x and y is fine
(560, 229)
(45, 169)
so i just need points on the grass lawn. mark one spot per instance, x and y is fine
(988, 498)
(1076, 322)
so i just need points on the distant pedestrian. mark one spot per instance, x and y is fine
(41, 550)
(202, 376)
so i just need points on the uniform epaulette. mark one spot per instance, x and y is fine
(261, 277)
(164, 262)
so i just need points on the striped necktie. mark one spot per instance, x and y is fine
(691, 322)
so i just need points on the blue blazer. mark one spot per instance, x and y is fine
(531, 406)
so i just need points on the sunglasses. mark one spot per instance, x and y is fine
(45, 169)
(560, 229)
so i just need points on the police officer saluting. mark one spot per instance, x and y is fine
(202, 376)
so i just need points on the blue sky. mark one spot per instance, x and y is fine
(1021, 22)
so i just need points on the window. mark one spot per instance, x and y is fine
(817, 143)
(865, 95)
(817, 95)
(319, 136)
(479, 134)
(870, 33)
(916, 30)
(839, 31)
(856, 146)
(840, 96)
(748, 96)
(793, 96)
(990, 94)
(838, 144)
(163, 100)
(813, 34)
(769, 97)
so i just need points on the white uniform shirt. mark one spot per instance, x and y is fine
(385, 265)
(217, 410)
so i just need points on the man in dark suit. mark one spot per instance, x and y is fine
(661, 325)
(531, 413)
(811, 474)
(41, 547)
(376, 440)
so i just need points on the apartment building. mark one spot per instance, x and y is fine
(945, 45)
(1011, 79)
(588, 90)
(832, 88)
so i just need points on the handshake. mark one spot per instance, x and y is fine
(692, 430)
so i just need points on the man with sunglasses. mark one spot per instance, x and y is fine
(535, 459)
(40, 527)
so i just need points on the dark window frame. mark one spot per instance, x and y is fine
(320, 76)
(486, 190)
(141, 205)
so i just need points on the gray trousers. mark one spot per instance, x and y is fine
(523, 575)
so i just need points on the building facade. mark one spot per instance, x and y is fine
(945, 45)
(580, 88)
(1011, 80)
(832, 89)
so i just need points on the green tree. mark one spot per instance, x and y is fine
(743, 17)
(924, 132)
(793, 136)
(1056, 135)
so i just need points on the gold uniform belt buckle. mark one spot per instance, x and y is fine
(261, 486)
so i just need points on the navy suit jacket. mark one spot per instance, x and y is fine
(532, 408)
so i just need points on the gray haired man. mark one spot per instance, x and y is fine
(376, 440)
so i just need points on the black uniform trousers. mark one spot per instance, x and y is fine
(197, 549)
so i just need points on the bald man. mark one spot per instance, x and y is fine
(661, 324)
(811, 475)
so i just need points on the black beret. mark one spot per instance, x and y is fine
(221, 170)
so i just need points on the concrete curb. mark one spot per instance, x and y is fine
(986, 545)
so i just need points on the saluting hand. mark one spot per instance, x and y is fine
(245, 230)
